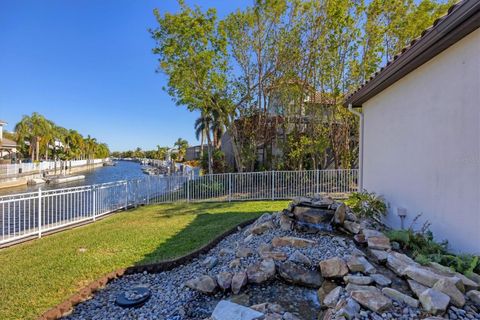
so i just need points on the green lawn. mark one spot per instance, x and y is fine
(36, 275)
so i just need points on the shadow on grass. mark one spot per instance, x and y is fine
(201, 230)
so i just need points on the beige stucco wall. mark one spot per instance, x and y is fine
(422, 145)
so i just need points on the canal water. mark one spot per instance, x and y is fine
(124, 170)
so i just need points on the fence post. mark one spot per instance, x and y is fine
(317, 182)
(126, 195)
(188, 189)
(229, 187)
(273, 184)
(39, 212)
(94, 203)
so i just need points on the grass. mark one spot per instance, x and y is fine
(37, 275)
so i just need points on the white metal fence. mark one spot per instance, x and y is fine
(31, 214)
(13, 169)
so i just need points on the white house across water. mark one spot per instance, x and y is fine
(420, 130)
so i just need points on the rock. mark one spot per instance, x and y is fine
(299, 257)
(369, 233)
(474, 296)
(312, 215)
(351, 227)
(248, 239)
(243, 252)
(381, 280)
(239, 280)
(339, 216)
(333, 268)
(262, 227)
(205, 284)
(359, 239)
(355, 287)
(225, 252)
(416, 287)
(331, 299)
(434, 301)
(398, 262)
(224, 280)
(226, 310)
(275, 255)
(267, 307)
(234, 264)
(296, 274)
(448, 287)
(286, 223)
(263, 247)
(361, 280)
(372, 299)
(379, 243)
(261, 272)
(209, 262)
(292, 242)
(379, 256)
(428, 278)
(474, 277)
(401, 297)
(325, 289)
(289, 316)
(349, 310)
(445, 271)
(360, 264)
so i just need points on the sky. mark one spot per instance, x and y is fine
(87, 65)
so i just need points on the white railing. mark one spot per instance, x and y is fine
(31, 214)
(11, 170)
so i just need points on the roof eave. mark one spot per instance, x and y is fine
(459, 23)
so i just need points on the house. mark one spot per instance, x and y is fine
(420, 130)
(8, 147)
(193, 153)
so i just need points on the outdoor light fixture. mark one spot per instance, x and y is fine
(402, 213)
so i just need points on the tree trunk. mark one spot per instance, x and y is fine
(209, 150)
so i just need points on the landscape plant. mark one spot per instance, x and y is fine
(366, 204)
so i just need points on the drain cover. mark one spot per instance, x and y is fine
(134, 297)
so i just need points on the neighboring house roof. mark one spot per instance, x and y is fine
(7, 143)
(461, 19)
(2, 122)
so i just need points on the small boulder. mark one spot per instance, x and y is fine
(379, 256)
(333, 268)
(243, 252)
(275, 255)
(235, 263)
(401, 297)
(379, 243)
(448, 287)
(286, 223)
(398, 262)
(381, 280)
(349, 310)
(296, 274)
(372, 299)
(209, 262)
(352, 227)
(360, 280)
(299, 257)
(224, 280)
(239, 280)
(261, 272)
(262, 227)
(332, 297)
(232, 311)
(474, 296)
(360, 264)
(292, 242)
(339, 216)
(434, 301)
(416, 287)
(205, 284)
(312, 215)
(325, 289)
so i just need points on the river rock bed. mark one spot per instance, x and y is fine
(286, 266)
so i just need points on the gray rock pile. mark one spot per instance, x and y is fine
(296, 247)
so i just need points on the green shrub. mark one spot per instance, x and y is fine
(367, 204)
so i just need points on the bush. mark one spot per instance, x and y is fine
(367, 205)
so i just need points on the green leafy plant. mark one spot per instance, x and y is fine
(367, 204)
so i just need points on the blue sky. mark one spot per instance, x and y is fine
(87, 65)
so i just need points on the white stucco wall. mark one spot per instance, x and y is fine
(422, 145)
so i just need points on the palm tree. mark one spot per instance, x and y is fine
(182, 146)
(33, 129)
(201, 126)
